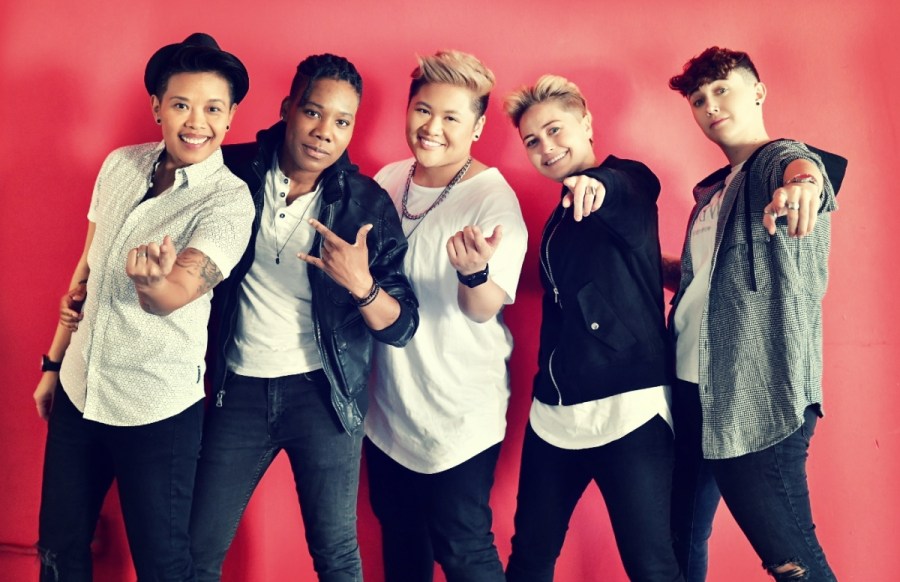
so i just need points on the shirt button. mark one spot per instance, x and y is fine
(281, 194)
(595, 326)
(285, 180)
(281, 215)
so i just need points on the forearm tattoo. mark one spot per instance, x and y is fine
(201, 267)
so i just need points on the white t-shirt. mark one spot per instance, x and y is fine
(690, 309)
(442, 399)
(599, 422)
(124, 366)
(275, 333)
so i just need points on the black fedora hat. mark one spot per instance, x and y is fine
(197, 52)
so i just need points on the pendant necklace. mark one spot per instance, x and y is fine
(278, 250)
(459, 176)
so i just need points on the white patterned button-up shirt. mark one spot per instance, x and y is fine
(124, 366)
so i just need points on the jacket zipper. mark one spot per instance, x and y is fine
(553, 378)
(545, 257)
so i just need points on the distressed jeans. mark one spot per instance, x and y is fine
(154, 467)
(766, 491)
(260, 417)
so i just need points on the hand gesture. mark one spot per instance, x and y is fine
(70, 306)
(799, 202)
(149, 265)
(347, 264)
(43, 395)
(585, 195)
(469, 251)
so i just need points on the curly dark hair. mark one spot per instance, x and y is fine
(325, 66)
(711, 65)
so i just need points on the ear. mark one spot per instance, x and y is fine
(761, 90)
(231, 113)
(285, 106)
(587, 122)
(479, 125)
(154, 106)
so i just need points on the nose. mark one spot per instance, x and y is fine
(433, 125)
(196, 119)
(322, 130)
(711, 108)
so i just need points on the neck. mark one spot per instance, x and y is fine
(438, 176)
(589, 162)
(738, 153)
(302, 181)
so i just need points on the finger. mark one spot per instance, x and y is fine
(451, 251)
(496, 236)
(153, 252)
(567, 200)
(474, 238)
(599, 196)
(326, 232)
(362, 234)
(769, 219)
(315, 261)
(167, 254)
(792, 207)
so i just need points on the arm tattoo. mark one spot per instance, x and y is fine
(201, 267)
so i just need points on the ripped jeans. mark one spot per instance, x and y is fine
(766, 492)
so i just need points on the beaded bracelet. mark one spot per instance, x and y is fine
(803, 178)
(373, 293)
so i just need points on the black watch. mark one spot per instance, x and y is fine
(475, 279)
(48, 365)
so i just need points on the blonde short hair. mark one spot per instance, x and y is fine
(548, 87)
(458, 69)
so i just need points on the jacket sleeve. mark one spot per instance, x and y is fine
(629, 208)
(386, 265)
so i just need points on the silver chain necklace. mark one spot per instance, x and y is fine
(278, 250)
(459, 176)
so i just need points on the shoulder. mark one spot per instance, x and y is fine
(389, 172)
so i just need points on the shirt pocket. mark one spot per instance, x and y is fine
(601, 321)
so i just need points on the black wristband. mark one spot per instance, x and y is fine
(370, 297)
(475, 279)
(48, 365)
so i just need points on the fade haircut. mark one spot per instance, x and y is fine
(458, 69)
(547, 88)
(325, 66)
(713, 64)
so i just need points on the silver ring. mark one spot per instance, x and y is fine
(589, 191)
(793, 205)
(141, 254)
(773, 213)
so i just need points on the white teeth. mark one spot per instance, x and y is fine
(552, 161)
(194, 140)
(430, 143)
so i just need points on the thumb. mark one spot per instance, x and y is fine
(166, 253)
(362, 233)
(496, 236)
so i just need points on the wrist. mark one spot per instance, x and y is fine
(48, 365)
(362, 290)
(369, 298)
(475, 279)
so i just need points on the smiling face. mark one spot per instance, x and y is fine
(319, 128)
(441, 126)
(729, 110)
(557, 139)
(194, 113)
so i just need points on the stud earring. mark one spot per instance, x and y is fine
(477, 136)
(158, 121)
(757, 102)
(227, 127)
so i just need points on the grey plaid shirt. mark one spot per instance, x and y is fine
(760, 349)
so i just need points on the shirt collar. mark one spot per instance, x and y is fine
(196, 173)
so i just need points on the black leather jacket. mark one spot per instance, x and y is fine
(349, 200)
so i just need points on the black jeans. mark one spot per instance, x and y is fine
(154, 467)
(260, 417)
(766, 492)
(634, 475)
(444, 517)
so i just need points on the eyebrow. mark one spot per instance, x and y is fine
(428, 105)
(213, 100)
(322, 107)
(551, 122)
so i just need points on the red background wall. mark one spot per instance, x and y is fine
(72, 91)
